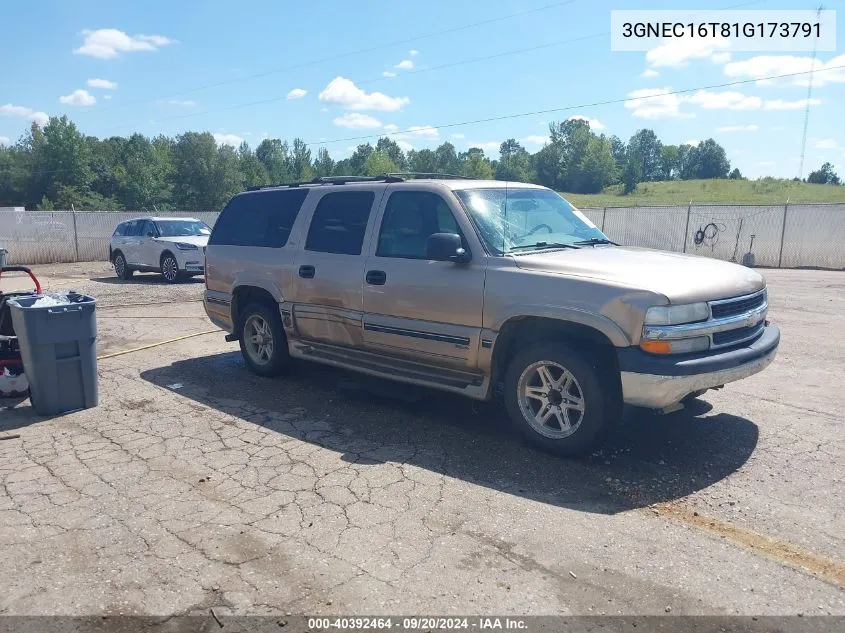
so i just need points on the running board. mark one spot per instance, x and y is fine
(466, 382)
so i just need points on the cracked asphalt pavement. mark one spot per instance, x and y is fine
(195, 485)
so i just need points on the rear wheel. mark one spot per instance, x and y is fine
(263, 342)
(121, 269)
(170, 268)
(555, 399)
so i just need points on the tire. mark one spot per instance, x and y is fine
(121, 268)
(260, 319)
(170, 268)
(557, 375)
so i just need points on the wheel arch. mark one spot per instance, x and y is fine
(519, 332)
(246, 293)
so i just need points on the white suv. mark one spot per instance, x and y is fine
(175, 247)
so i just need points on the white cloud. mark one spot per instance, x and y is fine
(357, 121)
(391, 127)
(426, 131)
(297, 93)
(654, 103)
(487, 146)
(726, 100)
(595, 124)
(344, 92)
(799, 104)
(4, 140)
(824, 143)
(110, 43)
(692, 142)
(388, 73)
(107, 97)
(535, 140)
(324, 109)
(721, 58)
(458, 136)
(677, 53)
(187, 103)
(413, 52)
(103, 84)
(769, 65)
(650, 72)
(78, 97)
(41, 118)
(227, 139)
(405, 146)
(405, 64)
(738, 128)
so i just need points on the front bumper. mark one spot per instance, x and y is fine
(191, 261)
(661, 381)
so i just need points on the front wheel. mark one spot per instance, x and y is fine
(263, 342)
(170, 268)
(555, 399)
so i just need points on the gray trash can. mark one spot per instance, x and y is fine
(3, 253)
(58, 347)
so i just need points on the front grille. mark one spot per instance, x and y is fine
(737, 306)
(739, 334)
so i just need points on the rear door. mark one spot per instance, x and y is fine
(329, 269)
(132, 241)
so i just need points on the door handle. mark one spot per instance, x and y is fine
(376, 277)
(306, 272)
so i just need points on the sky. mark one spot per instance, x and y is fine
(332, 72)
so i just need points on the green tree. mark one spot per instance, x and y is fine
(195, 169)
(301, 161)
(824, 176)
(646, 149)
(323, 165)
(379, 163)
(710, 159)
(423, 161)
(473, 164)
(597, 169)
(735, 174)
(391, 148)
(64, 163)
(514, 162)
(669, 162)
(359, 159)
(275, 156)
(253, 170)
(446, 159)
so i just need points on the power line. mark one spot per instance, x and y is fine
(370, 49)
(432, 68)
(579, 106)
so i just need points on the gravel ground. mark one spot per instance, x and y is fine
(196, 485)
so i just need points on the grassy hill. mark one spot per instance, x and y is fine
(766, 191)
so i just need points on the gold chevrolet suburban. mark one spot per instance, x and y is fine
(482, 288)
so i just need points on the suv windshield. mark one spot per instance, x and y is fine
(182, 228)
(519, 219)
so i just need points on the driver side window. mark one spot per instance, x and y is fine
(410, 218)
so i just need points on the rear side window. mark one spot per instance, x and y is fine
(340, 222)
(262, 218)
(132, 228)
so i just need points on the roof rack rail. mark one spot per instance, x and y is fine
(423, 174)
(331, 180)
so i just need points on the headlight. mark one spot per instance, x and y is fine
(676, 315)
(677, 346)
(184, 246)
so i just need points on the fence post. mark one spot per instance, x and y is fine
(783, 232)
(603, 216)
(75, 237)
(686, 230)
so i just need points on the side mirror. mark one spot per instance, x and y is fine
(446, 247)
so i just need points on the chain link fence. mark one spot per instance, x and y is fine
(787, 236)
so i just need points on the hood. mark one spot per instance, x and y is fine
(681, 278)
(199, 240)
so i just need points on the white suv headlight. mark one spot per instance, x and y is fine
(184, 246)
(676, 315)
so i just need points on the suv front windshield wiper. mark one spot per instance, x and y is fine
(596, 240)
(541, 245)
